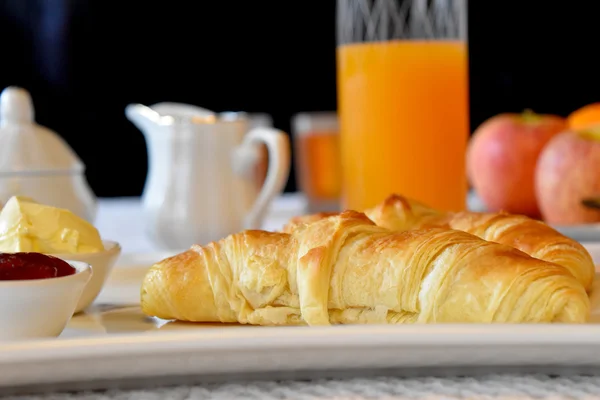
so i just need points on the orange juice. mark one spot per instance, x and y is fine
(317, 161)
(403, 108)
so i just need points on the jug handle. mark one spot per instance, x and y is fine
(278, 147)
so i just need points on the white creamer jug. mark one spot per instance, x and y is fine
(200, 185)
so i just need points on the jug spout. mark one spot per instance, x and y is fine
(162, 114)
(143, 117)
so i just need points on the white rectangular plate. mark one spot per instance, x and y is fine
(115, 341)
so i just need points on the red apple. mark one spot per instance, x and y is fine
(502, 157)
(568, 171)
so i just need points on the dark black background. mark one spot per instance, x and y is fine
(84, 60)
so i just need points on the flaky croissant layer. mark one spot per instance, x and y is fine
(345, 269)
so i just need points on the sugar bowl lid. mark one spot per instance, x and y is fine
(26, 147)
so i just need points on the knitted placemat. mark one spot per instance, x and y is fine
(388, 388)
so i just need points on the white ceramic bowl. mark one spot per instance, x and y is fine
(40, 308)
(102, 263)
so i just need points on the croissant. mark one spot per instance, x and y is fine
(344, 269)
(533, 237)
(528, 235)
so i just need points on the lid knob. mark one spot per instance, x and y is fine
(16, 106)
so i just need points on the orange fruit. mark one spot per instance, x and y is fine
(584, 117)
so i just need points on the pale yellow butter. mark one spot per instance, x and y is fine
(26, 225)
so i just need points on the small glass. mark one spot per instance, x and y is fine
(316, 159)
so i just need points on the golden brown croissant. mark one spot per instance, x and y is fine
(345, 269)
(533, 237)
(528, 235)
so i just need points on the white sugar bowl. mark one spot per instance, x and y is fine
(36, 162)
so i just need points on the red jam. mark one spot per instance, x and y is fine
(25, 266)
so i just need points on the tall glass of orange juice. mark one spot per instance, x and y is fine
(403, 101)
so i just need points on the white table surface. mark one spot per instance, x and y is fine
(121, 220)
(489, 387)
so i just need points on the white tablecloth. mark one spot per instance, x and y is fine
(122, 220)
(497, 387)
